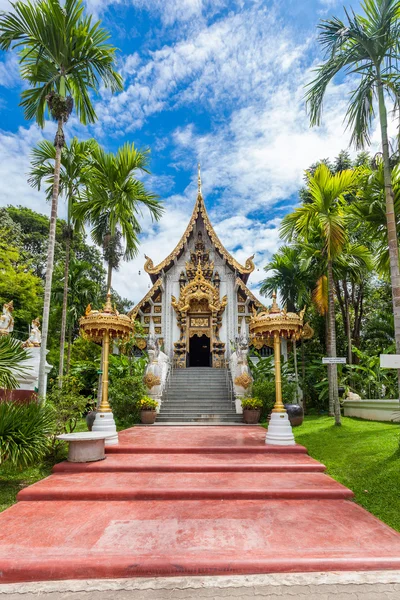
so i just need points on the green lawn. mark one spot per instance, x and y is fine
(364, 456)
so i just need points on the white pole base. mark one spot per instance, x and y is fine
(280, 430)
(104, 423)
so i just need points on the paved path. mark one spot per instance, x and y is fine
(383, 585)
(190, 501)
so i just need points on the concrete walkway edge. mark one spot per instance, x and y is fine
(360, 581)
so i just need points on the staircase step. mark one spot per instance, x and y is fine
(188, 486)
(252, 462)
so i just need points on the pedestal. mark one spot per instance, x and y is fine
(104, 423)
(280, 430)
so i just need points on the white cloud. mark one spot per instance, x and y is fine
(9, 70)
(238, 57)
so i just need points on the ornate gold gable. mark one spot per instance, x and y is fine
(199, 311)
(199, 210)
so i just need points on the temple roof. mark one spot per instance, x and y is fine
(199, 210)
(248, 293)
(133, 312)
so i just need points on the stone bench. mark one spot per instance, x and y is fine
(87, 446)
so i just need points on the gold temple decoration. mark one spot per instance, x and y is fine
(150, 380)
(244, 380)
(132, 313)
(101, 327)
(199, 209)
(271, 325)
(199, 311)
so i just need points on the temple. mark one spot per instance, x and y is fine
(198, 297)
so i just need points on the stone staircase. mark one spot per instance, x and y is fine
(198, 395)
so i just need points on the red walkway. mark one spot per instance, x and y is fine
(190, 500)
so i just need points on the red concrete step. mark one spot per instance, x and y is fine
(77, 540)
(254, 462)
(161, 439)
(124, 448)
(184, 486)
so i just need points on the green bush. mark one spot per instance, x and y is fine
(25, 432)
(69, 404)
(127, 389)
(264, 390)
(147, 403)
(252, 403)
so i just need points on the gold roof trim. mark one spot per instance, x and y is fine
(199, 207)
(250, 294)
(132, 313)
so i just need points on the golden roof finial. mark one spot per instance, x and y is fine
(199, 179)
(274, 308)
(108, 306)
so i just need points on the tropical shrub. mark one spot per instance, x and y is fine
(11, 356)
(69, 404)
(264, 390)
(252, 404)
(147, 403)
(25, 432)
(126, 388)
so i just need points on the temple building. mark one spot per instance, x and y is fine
(199, 296)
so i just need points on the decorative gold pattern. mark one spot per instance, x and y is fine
(157, 329)
(199, 209)
(141, 343)
(247, 293)
(199, 322)
(241, 308)
(157, 320)
(150, 380)
(147, 297)
(244, 380)
(158, 309)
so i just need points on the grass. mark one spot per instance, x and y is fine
(362, 455)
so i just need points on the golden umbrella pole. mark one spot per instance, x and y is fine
(276, 323)
(278, 406)
(102, 327)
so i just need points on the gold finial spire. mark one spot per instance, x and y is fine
(199, 178)
(108, 306)
(274, 308)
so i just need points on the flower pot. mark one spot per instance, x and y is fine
(147, 417)
(251, 416)
(295, 413)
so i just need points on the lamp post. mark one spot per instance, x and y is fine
(276, 323)
(101, 327)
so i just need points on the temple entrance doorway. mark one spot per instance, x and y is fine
(199, 351)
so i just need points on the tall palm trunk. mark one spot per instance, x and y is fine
(59, 143)
(69, 348)
(332, 369)
(64, 310)
(391, 221)
(109, 276)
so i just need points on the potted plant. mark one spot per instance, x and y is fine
(148, 410)
(251, 410)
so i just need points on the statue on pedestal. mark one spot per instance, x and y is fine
(6, 319)
(35, 338)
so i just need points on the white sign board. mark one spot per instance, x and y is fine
(333, 360)
(390, 361)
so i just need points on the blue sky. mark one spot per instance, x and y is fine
(220, 82)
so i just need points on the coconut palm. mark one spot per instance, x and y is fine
(72, 177)
(366, 47)
(12, 357)
(114, 200)
(325, 217)
(63, 55)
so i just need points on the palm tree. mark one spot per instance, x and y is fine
(82, 290)
(12, 357)
(367, 46)
(324, 217)
(290, 274)
(113, 201)
(72, 177)
(63, 56)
